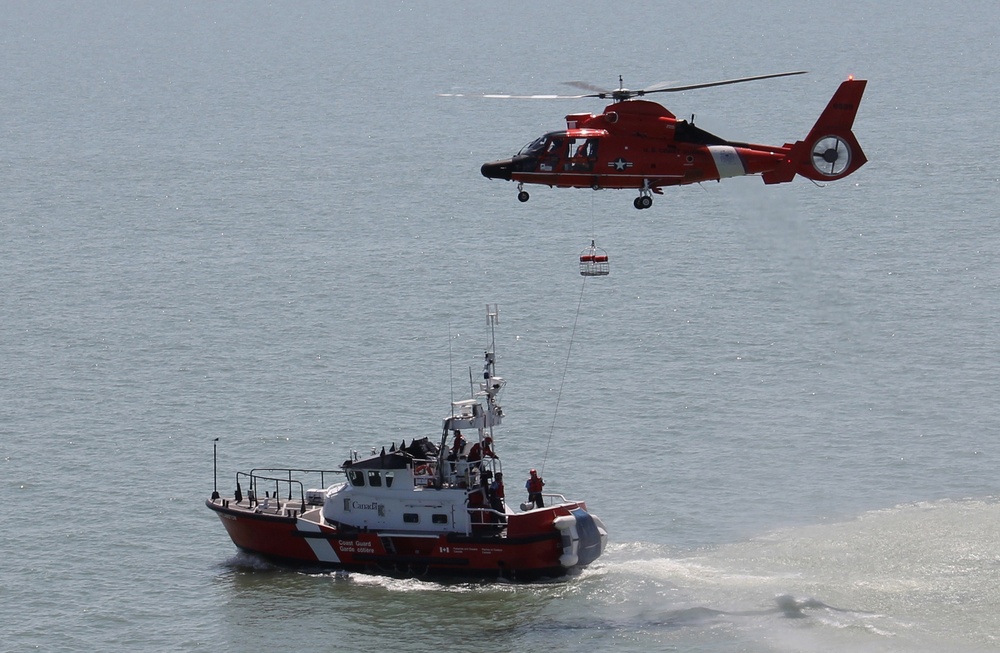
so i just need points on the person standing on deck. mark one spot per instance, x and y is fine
(457, 447)
(534, 487)
(497, 498)
(479, 451)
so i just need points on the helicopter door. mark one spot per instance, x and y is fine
(548, 161)
(581, 154)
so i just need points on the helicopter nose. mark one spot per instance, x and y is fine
(498, 169)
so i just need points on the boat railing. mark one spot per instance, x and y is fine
(485, 518)
(282, 483)
(460, 473)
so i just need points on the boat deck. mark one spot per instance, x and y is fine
(278, 510)
(269, 507)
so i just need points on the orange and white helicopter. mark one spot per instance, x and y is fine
(639, 144)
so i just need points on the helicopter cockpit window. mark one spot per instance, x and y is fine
(551, 153)
(580, 154)
(534, 147)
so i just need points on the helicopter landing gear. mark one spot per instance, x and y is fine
(522, 195)
(643, 202)
(645, 199)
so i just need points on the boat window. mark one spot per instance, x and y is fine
(356, 477)
(374, 478)
(439, 519)
(388, 478)
(411, 517)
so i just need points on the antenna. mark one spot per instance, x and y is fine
(215, 469)
(492, 319)
(451, 369)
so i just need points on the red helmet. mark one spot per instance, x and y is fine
(533, 472)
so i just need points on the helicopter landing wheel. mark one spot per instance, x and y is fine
(643, 202)
(523, 196)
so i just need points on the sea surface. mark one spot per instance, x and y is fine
(260, 222)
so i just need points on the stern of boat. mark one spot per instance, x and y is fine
(582, 535)
(583, 538)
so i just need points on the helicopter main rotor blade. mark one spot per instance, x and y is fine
(587, 86)
(504, 96)
(620, 94)
(689, 87)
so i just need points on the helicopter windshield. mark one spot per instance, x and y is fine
(543, 144)
(534, 147)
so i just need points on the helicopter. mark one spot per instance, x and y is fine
(639, 144)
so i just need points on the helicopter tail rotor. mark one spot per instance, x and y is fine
(830, 151)
(834, 152)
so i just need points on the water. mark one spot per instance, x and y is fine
(260, 223)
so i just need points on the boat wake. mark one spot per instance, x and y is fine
(918, 578)
(243, 561)
(915, 577)
(677, 623)
(785, 605)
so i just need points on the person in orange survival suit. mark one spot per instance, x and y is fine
(534, 487)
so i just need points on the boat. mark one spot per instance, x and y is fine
(417, 509)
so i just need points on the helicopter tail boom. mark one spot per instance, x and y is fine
(830, 151)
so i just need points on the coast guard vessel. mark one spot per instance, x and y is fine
(422, 508)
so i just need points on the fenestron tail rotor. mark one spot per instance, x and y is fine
(831, 155)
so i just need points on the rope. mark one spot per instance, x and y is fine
(593, 230)
(569, 351)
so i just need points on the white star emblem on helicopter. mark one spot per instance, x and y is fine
(619, 164)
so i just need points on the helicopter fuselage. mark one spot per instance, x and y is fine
(641, 145)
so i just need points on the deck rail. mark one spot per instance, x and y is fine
(287, 482)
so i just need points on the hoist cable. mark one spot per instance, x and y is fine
(569, 352)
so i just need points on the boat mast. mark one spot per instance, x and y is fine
(492, 383)
(474, 413)
(492, 319)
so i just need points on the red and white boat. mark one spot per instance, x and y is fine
(415, 509)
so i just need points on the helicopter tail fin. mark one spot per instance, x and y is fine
(830, 151)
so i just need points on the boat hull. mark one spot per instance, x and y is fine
(527, 548)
